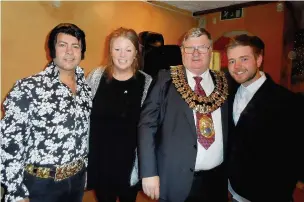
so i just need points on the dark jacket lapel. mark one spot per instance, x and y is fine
(259, 97)
(190, 117)
(187, 111)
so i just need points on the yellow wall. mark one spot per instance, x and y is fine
(25, 26)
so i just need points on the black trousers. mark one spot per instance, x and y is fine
(209, 186)
(47, 190)
(125, 195)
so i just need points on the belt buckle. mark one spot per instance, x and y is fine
(59, 175)
(68, 170)
(43, 172)
(40, 172)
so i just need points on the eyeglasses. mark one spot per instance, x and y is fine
(200, 49)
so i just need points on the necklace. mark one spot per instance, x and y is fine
(201, 104)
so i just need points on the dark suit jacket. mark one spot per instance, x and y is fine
(168, 140)
(264, 147)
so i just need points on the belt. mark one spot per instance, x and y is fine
(58, 173)
(213, 171)
(198, 173)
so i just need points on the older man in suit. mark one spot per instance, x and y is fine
(264, 135)
(183, 128)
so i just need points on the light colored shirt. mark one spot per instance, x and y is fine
(213, 156)
(244, 95)
(242, 98)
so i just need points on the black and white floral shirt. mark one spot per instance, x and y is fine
(44, 124)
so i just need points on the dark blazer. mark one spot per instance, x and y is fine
(168, 140)
(264, 147)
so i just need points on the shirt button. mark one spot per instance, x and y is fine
(191, 169)
(195, 146)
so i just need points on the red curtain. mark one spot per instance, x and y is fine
(220, 45)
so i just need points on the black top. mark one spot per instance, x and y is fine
(113, 132)
(267, 140)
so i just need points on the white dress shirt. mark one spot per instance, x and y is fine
(244, 95)
(242, 98)
(213, 156)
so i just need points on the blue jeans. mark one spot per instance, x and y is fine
(48, 190)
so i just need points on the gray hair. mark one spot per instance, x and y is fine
(196, 32)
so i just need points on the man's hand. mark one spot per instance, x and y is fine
(24, 200)
(151, 187)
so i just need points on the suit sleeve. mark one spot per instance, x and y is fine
(148, 126)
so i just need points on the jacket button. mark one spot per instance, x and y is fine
(195, 146)
(191, 169)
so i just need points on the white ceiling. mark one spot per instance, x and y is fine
(203, 5)
(194, 6)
